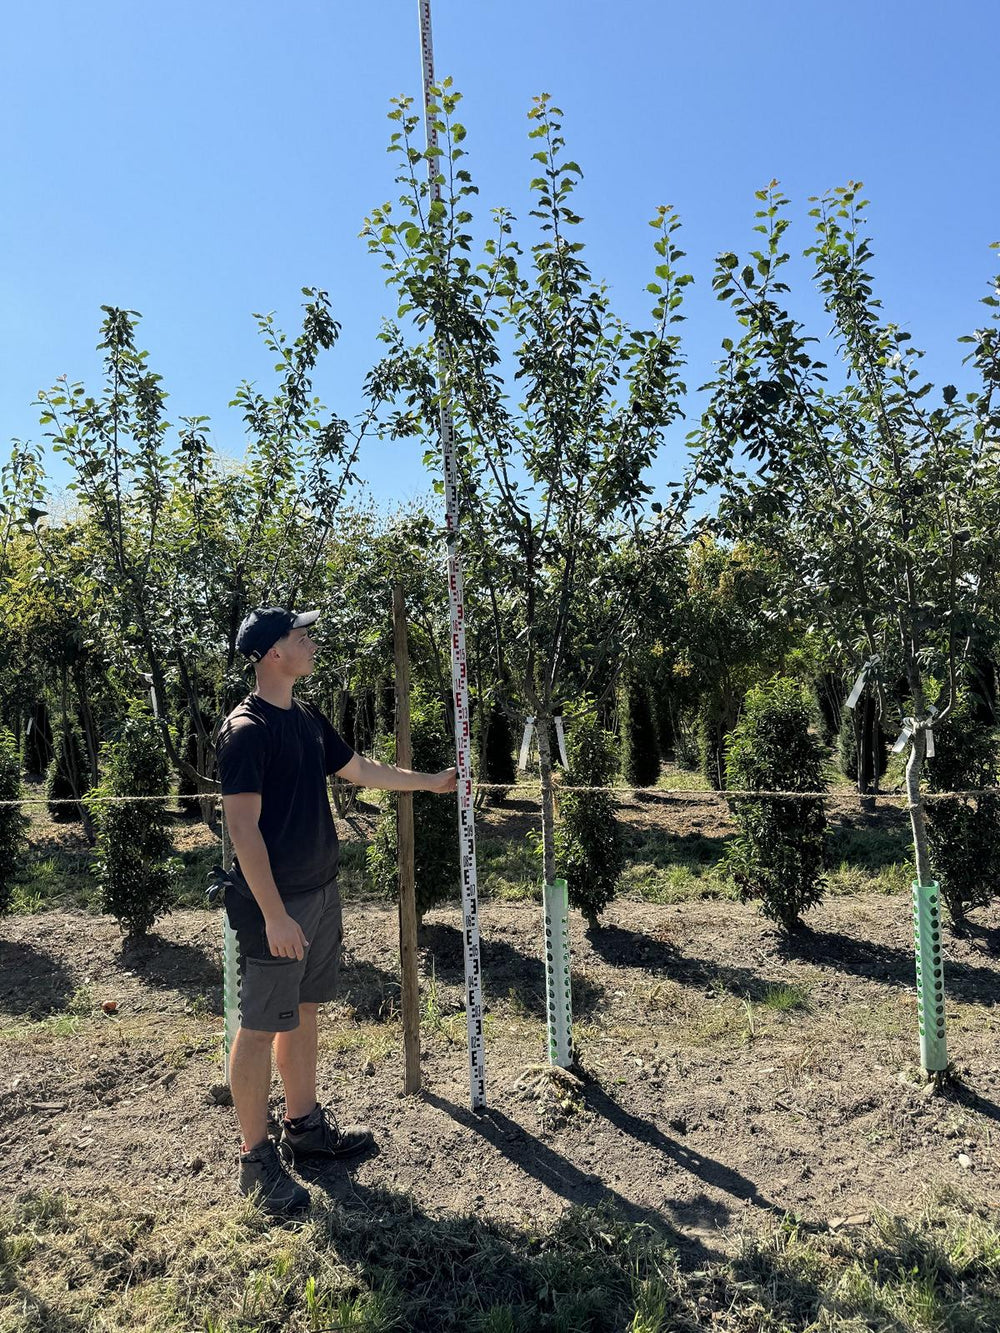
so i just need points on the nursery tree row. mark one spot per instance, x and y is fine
(834, 515)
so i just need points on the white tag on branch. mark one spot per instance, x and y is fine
(561, 738)
(909, 724)
(859, 684)
(930, 752)
(522, 758)
(147, 676)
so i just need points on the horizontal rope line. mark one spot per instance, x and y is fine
(696, 794)
(558, 788)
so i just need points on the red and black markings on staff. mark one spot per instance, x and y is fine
(459, 666)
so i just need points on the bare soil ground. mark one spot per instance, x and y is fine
(712, 1099)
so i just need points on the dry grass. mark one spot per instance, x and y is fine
(68, 1265)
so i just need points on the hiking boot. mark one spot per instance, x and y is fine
(318, 1137)
(262, 1175)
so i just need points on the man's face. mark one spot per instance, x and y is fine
(296, 652)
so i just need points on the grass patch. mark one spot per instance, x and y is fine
(938, 1273)
(673, 777)
(509, 871)
(386, 1266)
(55, 883)
(375, 1041)
(785, 999)
(674, 884)
(871, 849)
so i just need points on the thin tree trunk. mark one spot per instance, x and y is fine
(542, 725)
(866, 732)
(914, 768)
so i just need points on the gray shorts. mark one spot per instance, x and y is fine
(271, 989)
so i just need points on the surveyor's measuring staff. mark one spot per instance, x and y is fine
(459, 672)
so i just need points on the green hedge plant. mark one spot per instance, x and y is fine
(963, 832)
(135, 868)
(590, 852)
(13, 821)
(640, 745)
(68, 775)
(778, 853)
(497, 763)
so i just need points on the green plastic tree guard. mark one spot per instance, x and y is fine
(558, 992)
(930, 978)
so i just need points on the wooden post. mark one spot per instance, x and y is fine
(410, 991)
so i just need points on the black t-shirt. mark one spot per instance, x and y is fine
(285, 754)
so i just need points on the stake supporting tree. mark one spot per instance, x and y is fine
(459, 669)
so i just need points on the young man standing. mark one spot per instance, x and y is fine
(275, 754)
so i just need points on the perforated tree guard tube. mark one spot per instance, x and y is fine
(230, 989)
(558, 992)
(930, 978)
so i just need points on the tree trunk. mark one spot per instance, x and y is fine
(918, 819)
(866, 735)
(542, 725)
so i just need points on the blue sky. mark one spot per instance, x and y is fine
(201, 161)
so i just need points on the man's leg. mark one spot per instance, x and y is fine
(295, 1054)
(250, 1082)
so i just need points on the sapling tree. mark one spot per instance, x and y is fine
(183, 547)
(558, 406)
(880, 499)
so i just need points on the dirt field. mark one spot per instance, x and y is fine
(726, 1077)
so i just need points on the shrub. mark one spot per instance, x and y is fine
(716, 719)
(640, 747)
(851, 721)
(135, 869)
(777, 856)
(830, 696)
(497, 763)
(68, 775)
(964, 831)
(38, 751)
(687, 750)
(13, 821)
(590, 850)
(435, 826)
(663, 721)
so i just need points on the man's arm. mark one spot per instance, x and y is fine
(284, 935)
(387, 777)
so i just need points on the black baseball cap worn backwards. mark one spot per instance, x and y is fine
(265, 625)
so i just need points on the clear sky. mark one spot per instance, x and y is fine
(198, 161)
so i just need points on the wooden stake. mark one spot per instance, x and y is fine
(404, 844)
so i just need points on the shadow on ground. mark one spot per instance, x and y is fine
(888, 963)
(506, 970)
(620, 947)
(32, 984)
(192, 970)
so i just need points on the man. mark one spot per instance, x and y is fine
(274, 755)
